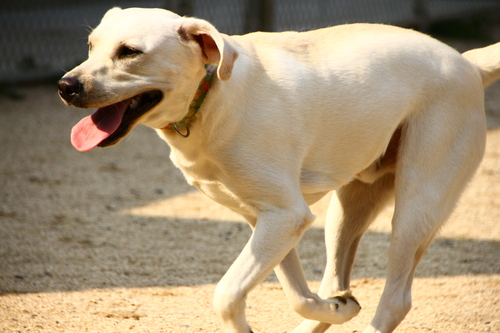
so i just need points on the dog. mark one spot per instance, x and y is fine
(268, 123)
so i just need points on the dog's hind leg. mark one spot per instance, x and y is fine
(439, 153)
(350, 213)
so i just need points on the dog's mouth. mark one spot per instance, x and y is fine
(111, 123)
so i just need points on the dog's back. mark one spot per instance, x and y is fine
(343, 89)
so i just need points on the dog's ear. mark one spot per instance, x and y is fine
(111, 12)
(212, 47)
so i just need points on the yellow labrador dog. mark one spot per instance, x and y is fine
(268, 123)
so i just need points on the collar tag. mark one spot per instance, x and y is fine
(210, 70)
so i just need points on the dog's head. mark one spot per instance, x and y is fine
(144, 66)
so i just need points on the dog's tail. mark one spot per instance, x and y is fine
(487, 60)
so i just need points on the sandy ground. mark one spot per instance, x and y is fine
(114, 240)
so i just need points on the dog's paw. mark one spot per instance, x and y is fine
(346, 305)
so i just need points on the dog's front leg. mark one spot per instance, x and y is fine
(276, 233)
(334, 310)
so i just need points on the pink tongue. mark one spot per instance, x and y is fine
(92, 130)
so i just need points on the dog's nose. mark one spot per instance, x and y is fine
(69, 88)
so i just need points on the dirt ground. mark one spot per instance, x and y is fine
(114, 240)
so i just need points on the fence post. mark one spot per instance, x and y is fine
(421, 14)
(181, 7)
(259, 15)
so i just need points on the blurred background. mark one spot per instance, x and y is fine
(82, 236)
(41, 40)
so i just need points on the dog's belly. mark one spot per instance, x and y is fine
(314, 185)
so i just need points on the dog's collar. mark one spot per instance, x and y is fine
(198, 99)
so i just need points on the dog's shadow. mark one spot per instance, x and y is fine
(445, 257)
(176, 252)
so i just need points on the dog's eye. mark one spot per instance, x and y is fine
(127, 52)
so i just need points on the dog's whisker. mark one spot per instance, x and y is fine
(87, 27)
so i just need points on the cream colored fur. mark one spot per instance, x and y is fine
(292, 116)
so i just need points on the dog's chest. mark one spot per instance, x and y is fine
(219, 193)
(205, 175)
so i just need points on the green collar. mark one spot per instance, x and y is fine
(195, 105)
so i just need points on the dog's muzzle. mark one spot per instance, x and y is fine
(110, 122)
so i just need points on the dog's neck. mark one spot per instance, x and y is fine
(195, 105)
